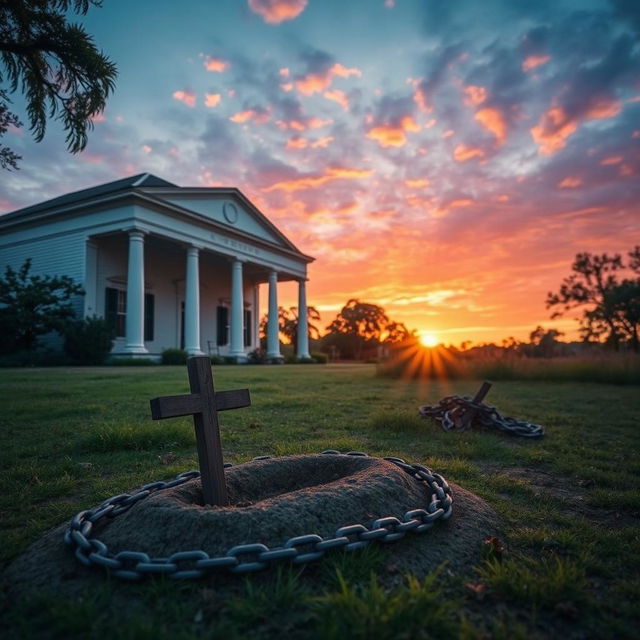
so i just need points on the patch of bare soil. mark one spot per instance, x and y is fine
(571, 492)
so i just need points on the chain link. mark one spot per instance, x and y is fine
(450, 413)
(245, 558)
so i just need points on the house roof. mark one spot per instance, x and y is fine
(145, 185)
(139, 180)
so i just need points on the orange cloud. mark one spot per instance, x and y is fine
(98, 117)
(310, 182)
(554, 128)
(531, 62)
(215, 65)
(416, 184)
(493, 121)
(569, 182)
(448, 133)
(284, 72)
(474, 95)
(393, 135)
(259, 117)
(338, 96)
(462, 153)
(318, 82)
(303, 125)
(611, 160)
(322, 143)
(277, 11)
(186, 97)
(212, 99)
(296, 143)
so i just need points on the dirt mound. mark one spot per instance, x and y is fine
(270, 502)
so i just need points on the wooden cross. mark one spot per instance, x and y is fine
(204, 403)
(464, 422)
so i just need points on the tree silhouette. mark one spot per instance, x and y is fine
(57, 67)
(362, 326)
(610, 306)
(33, 306)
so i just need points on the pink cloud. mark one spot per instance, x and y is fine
(215, 65)
(611, 160)
(338, 96)
(277, 11)
(311, 182)
(187, 97)
(212, 99)
(322, 143)
(393, 135)
(493, 121)
(474, 95)
(462, 153)
(570, 182)
(297, 142)
(320, 81)
(532, 62)
(257, 116)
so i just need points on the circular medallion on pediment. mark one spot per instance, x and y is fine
(230, 212)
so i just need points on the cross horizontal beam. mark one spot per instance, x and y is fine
(186, 405)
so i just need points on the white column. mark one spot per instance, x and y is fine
(273, 343)
(192, 304)
(134, 327)
(237, 312)
(303, 324)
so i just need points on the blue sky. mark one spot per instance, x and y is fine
(446, 159)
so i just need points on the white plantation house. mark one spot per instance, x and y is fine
(169, 266)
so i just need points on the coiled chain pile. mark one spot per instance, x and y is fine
(243, 558)
(450, 413)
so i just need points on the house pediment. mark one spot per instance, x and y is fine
(226, 207)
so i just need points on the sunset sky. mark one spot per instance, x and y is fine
(445, 159)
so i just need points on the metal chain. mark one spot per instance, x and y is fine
(244, 558)
(450, 412)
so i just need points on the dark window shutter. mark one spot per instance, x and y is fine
(111, 307)
(247, 328)
(222, 326)
(149, 313)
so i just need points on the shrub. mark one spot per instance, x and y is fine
(88, 341)
(174, 356)
(217, 360)
(320, 358)
(257, 356)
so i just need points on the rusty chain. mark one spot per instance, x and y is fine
(450, 413)
(244, 558)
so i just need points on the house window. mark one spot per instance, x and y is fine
(247, 328)
(116, 312)
(222, 326)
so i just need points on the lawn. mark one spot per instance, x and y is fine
(570, 502)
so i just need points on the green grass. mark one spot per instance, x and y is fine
(570, 503)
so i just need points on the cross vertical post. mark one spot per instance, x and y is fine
(203, 404)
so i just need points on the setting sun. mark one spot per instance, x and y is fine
(428, 339)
